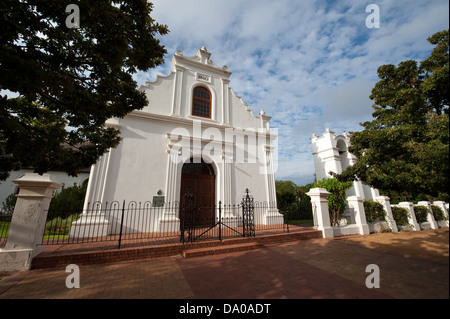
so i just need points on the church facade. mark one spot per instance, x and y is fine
(195, 135)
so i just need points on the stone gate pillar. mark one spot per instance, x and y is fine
(357, 203)
(386, 202)
(430, 217)
(319, 201)
(441, 204)
(411, 215)
(28, 221)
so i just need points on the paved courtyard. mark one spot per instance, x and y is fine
(317, 268)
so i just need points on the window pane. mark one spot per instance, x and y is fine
(201, 102)
(201, 93)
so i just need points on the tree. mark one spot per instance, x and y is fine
(70, 80)
(285, 191)
(404, 151)
(292, 200)
(67, 201)
(338, 199)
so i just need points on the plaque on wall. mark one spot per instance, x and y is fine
(203, 77)
(158, 201)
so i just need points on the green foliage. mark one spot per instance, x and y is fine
(374, 211)
(70, 77)
(438, 213)
(421, 213)
(9, 203)
(59, 227)
(68, 201)
(292, 200)
(406, 146)
(400, 215)
(338, 199)
(285, 194)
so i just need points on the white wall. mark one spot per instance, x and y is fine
(7, 187)
(141, 165)
(330, 153)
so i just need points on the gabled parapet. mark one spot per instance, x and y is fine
(172, 96)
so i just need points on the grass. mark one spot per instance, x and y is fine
(49, 236)
(306, 222)
(4, 229)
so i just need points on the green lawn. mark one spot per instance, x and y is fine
(307, 222)
(4, 228)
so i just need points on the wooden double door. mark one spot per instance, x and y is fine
(199, 181)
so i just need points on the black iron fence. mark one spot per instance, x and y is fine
(300, 214)
(121, 221)
(5, 221)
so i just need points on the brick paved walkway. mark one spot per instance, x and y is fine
(317, 268)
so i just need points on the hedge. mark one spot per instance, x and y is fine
(400, 215)
(421, 213)
(374, 211)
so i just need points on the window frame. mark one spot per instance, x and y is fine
(194, 98)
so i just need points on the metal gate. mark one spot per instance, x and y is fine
(241, 224)
(248, 214)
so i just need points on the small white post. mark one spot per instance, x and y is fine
(385, 201)
(357, 203)
(430, 217)
(441, 204)
(319, 201)
(411, 215)
(28, 221)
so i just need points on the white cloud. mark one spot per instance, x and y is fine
(309, 64)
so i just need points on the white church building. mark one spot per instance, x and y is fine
(195, 135)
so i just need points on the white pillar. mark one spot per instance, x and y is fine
(319, 201)
(93, 220)
(359, 191)
(385, 201)
(225, 102)
(273, 216)
(357, 204)
(430, 217)
(227, 185)
(441, 204)
(374, 192)
(177, 87)
(28, 221)
(411, 215)
(173, 182)
(98, 180)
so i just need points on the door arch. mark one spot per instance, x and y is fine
(199, 180)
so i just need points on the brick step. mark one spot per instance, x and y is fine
(223, 249)
(201, 248)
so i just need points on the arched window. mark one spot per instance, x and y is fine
(201, 102)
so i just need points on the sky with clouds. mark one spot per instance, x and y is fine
(310, 64)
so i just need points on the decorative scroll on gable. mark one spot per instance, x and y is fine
(202, 58)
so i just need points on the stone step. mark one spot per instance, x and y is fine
(222, 249)
(54, 258)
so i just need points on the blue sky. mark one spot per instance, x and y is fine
(309, 64)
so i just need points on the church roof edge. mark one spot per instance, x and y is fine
(200, 60)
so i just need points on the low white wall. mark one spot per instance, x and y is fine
(376, 227)
(351, 229)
